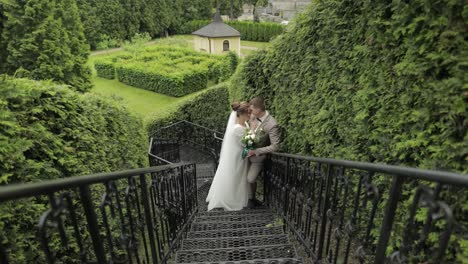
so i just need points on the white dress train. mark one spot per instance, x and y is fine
(229, 189)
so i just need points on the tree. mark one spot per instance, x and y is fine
(91, 21)
(45, 40)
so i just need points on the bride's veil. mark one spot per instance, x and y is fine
(227, 154)
(229, 127)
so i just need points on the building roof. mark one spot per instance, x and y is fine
(217, 29)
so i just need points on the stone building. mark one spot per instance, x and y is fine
(217, 37)
(284, 9)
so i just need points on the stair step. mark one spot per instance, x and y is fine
(234, 218)
(216, 226)
(220, 212)
(236, 254)
(232, 242)
(259, 231)
(257, 261)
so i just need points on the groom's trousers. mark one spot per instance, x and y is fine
(254, 169)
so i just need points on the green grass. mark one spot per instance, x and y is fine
(255, 44)
(141, 102)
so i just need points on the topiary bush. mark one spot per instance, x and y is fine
(371, 81)
(47, 132)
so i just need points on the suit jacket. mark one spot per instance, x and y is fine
(269, 134)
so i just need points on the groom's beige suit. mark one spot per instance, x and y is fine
(269, 138)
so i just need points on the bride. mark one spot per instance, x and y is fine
(229, 189)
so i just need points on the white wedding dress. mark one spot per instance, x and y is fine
(229, 189)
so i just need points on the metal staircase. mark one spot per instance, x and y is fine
(316, 210)
(246, 236)
(236, 237)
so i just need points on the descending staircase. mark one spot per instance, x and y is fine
(246, 236)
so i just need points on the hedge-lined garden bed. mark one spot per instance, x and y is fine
(252, 31)
(171, 71)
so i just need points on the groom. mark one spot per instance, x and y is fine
(269, 137)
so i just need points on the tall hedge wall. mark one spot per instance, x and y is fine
(371, 81)
(263, 32)
(208, 108)
(48, 131)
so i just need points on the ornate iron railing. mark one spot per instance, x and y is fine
(184, 132)
(163, 151)
(134, 216)
(347, 212)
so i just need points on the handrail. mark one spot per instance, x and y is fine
(188, 122)
(423, 174)
(109, 206)
(16, 191)
(159, 158)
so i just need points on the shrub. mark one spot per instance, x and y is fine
(105, 69)
(47, 132)
(209, 108)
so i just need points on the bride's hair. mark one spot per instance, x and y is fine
(240, 107)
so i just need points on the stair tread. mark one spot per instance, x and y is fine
(258, 231)
(237, 253)
(256, 261)
(206, 226)
(231, 242)
(234, 218)
(260, 210)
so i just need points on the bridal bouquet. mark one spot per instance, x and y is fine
(249, 140)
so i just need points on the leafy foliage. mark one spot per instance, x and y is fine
(210, 108)
(47, 132)
(371, 81)
(120, 20)
(45, 40)
(253, 31)
(170, 71)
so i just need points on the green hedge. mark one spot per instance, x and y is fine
(372, 81)
(47, 132)
(209, 108)
(263, 32)
(170, 71)
(105, 69)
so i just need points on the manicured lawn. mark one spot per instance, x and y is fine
(141, 102)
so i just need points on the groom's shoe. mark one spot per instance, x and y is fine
(256, 202)
(250, 204)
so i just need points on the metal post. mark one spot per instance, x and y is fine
(149, 220)
(389, 216)
(93, 226)
(324, 213)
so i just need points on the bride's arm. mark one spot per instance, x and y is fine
(239, 133)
